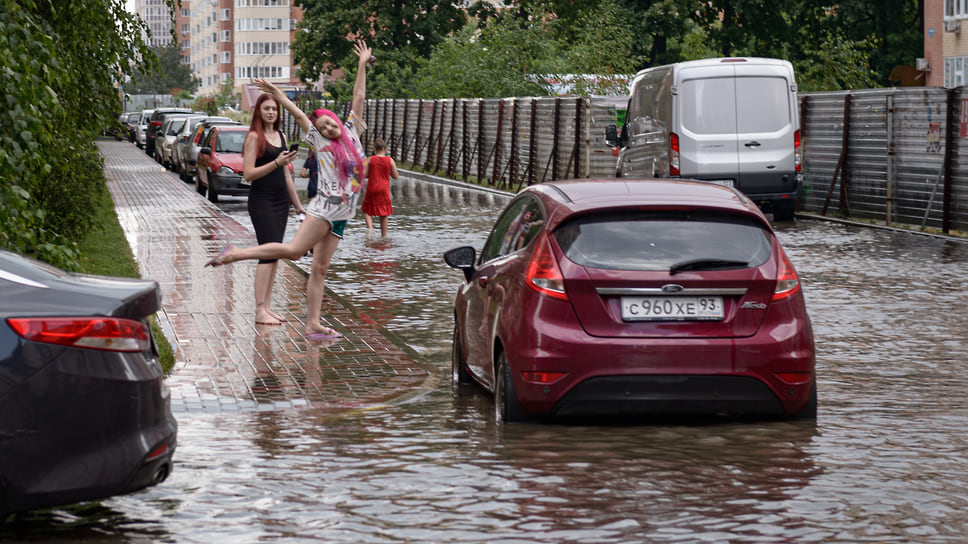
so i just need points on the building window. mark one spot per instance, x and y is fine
(955, 69)
(955, 8)
(226, 35)
(226, 57)
(226, 15)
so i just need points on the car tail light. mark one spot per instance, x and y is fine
(787, 281)
(543, 273)
(100, 333)
(797, 158)
(673, 154)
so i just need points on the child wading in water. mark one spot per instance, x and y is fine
(377, 201)
(337, 146)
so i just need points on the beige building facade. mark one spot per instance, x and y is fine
(945, 62)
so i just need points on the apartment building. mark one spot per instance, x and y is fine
(240, 40)
(945, 61)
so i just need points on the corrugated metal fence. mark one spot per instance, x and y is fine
(889, 155)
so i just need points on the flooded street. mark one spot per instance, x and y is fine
(884, 462)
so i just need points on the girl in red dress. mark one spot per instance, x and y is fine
(377, 203)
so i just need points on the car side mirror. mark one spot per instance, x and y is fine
(611, 135)
(462, 258)
(205, 151)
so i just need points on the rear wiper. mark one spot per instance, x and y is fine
(706, 264)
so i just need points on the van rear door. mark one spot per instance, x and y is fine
(766, 127)
(737, 125)
(705, 105)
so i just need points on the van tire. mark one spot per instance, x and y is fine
(784, 210)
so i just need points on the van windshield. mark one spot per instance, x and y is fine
(762, 105)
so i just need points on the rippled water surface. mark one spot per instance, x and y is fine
(885, 461)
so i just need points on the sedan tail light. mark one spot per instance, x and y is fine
(100, 333)
(543, 273)
(787, 281)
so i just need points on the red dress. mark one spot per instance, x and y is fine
(377, 200)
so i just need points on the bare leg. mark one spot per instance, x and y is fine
(310, 232)
(383, 225)
(265, 275)
(316, 285)
(369, 221)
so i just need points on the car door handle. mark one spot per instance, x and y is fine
(482, 281)
(754, 143)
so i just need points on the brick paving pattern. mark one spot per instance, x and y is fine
(225, 363)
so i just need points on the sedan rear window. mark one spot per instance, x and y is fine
(646, 241)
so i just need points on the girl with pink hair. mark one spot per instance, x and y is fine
(341, 182)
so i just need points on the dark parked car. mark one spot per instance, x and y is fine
(633, 297)
(84, 411)
(219, 165)
(157, 118)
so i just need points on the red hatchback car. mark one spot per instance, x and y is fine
(633, 297)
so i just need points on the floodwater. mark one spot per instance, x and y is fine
(884, 462)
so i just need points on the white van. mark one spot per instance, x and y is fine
(732, 121)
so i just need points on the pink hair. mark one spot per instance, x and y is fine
(344, 152)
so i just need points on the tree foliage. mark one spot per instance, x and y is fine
(168, 75)
(60, 65)
(400, 33)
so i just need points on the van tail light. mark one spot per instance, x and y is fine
(673, 154)
(100, 333)
(543, 274)
(797, 152)
(787, 281)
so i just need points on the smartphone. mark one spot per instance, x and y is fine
(294, 147)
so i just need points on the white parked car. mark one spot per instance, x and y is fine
(166, 138)
(143, 127)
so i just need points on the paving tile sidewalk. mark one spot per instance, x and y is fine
(225, 363)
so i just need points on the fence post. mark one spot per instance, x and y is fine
(497, 144)
(464, 163)
(513, 155)
(532, 140)
(451, 143)
(889, 185)
(578, 136)
(948, 153)
(554, 140)
(416, 143)
(480, 142)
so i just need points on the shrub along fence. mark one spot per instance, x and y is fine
(889, 155)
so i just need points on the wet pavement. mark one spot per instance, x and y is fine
(286, 442)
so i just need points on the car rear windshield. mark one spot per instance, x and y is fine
(650, 241)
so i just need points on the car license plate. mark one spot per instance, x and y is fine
(699, 308)
(723, 182)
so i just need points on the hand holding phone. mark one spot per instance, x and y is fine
(294, 147)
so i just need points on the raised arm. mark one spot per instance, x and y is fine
(301, 118)
(359, 87)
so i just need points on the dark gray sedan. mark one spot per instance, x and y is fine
(84, 410)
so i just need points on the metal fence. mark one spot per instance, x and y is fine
(889, 155)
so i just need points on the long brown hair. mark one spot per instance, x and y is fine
(256, 124)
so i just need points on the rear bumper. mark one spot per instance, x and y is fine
(666, 376)
(669, 394)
